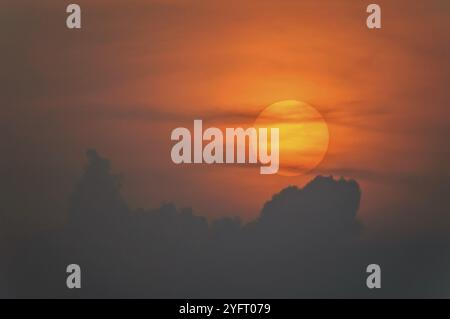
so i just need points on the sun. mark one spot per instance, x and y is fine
(304, 135)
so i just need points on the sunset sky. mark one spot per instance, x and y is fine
(138, 69)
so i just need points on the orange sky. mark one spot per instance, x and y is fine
(138, 69)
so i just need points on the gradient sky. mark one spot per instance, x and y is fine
(138, 69)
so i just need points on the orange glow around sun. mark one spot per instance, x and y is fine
(303, 135)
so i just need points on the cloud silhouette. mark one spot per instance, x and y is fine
(324, 202)
(305, 243)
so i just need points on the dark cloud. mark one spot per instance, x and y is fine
(305, 243)
(215, 114)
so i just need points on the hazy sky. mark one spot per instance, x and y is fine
(138, 69)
